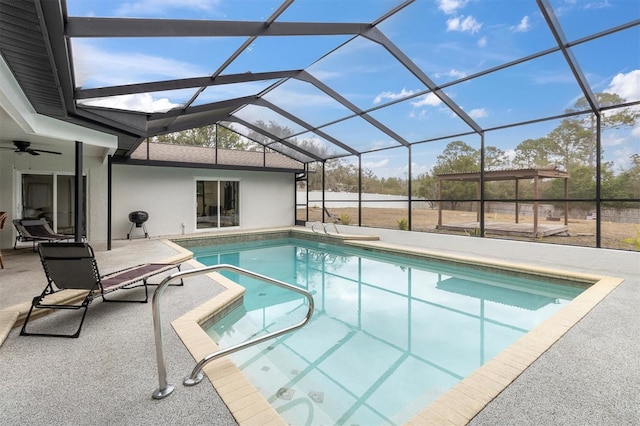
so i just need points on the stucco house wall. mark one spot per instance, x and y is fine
(13, 165)
(168, 194)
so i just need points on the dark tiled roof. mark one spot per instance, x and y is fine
(205, 155)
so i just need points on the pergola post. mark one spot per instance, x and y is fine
(479, 197)
(517, 203)
(517, 175)
(324, 190)
(535, 206)
(566, 203)
(439, 203)
(359, 190)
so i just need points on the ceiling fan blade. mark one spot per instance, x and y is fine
(48, 152)
(32, 152)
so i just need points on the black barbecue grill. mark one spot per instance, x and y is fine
(138, 219)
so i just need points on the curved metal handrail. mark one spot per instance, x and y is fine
(196, 376)
(324, 225)
(313, 227)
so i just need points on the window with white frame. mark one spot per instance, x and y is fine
(217, 203)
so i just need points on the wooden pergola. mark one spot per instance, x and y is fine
(512, 174)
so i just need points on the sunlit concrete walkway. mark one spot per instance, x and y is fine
(590, 376)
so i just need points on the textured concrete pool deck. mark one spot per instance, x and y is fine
(560, 373)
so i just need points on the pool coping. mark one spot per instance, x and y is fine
(458, 405)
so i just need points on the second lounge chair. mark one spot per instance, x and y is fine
(36, 230)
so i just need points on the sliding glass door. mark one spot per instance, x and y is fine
(51, 196)
(217, 203)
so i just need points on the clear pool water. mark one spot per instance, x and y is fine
(389, 334)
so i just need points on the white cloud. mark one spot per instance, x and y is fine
(375, 164)
(464, 24)
(600, 4)
(456, 74)
(387, 169)
(164, 7)
(613, 141)
(315, 141)
(142, 102)
(420, 168)
(392, 96)
(420, 115)
(622, 157)
(453, 73)
(482, 42)
(510, 154)
(626, 86)
(570, 5)
(427, 100)
(550, 76)
(451, 6)
(523, 26)
(478, 113)
(105, 68)
(102, 68)
(620, 145)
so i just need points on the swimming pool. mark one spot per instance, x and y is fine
(390, 333)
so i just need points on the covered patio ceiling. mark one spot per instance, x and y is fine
(316, 80)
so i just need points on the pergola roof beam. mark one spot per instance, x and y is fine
(509, 174)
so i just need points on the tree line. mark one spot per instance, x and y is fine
(571, 146)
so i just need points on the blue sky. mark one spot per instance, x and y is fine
(448, 40)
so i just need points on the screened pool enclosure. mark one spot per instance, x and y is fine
(371, 105)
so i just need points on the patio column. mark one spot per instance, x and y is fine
(109, 198)
(79, 196)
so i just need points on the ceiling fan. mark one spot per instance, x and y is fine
(23, 147)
